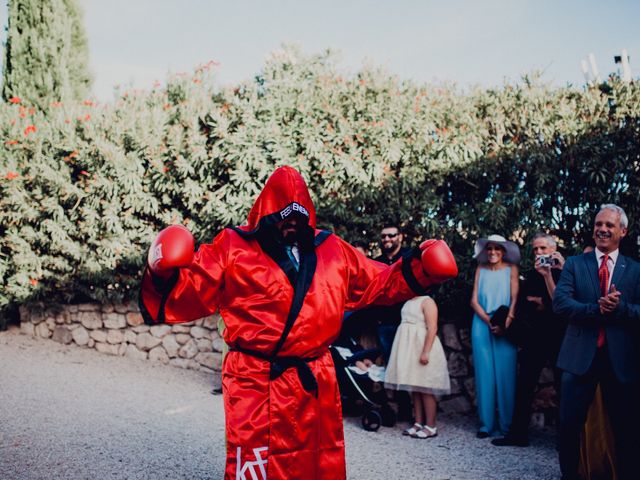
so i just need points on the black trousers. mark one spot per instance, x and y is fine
(533, 358)
(620, 401)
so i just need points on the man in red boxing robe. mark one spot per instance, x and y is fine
(282, 288)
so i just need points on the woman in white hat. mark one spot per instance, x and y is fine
(494, 357)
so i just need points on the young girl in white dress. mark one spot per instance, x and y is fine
(418, 364)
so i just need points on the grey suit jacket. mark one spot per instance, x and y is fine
(576, 298)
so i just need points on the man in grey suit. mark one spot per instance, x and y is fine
(599, 294)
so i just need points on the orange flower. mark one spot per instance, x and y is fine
(88, 103)
(87, 117)
(15, 100)
(30, 129)
(73, 154)
(56, 104)
(11, 175)
(32, 110)
(11, 142)
(33, 281)
(84, 172)
(67, 120)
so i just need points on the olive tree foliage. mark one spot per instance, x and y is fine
(84, 187)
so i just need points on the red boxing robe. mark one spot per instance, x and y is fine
(281, 398)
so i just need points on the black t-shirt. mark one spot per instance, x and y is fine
(390, 261)
(534, 286)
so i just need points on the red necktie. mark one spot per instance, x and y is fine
(603, 276)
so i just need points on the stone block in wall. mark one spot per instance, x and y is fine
(465, 337)
(99, 335)
(199, 332)
(160, 331)
(217, 344)
(206, 359)
(28, 328)
(170, 345)
(88, 307)
(130, 336)
(456, 388)
(458, 365)
(107, 348)
(62, 335)
(131, 306)
(188, 350)
(211, 322)
(133, 352)
(546, 375)
(182, 338)
(158, 354)
(42, 330)
(108, 308)
(91, 343)
(72, 308)
(114, 320)
(180, 328)
(146, 341)
(545, 399)
(90, 319)
(204, 345)
(122, 349)
(141, 328)
(62, 318)
(470, 388)
(134, 319)
(115, 336)
(80, 335)
(36, 317)
(51, 323)
(458, 404)
(184, 363)
(450, 336)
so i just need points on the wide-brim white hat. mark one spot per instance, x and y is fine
(512, 252)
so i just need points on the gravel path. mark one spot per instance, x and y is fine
(72, 413)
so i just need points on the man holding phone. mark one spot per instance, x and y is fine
(599, 294)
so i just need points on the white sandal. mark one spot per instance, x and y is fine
(426, 432)
(412, 430)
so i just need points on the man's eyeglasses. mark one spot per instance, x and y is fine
(390, 235)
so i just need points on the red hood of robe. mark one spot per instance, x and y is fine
(285, 193)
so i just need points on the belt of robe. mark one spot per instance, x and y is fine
(280, 364)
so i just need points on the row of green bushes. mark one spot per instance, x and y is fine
(83, 187)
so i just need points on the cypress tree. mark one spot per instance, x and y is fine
(46, 53)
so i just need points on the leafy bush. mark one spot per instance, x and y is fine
(84, 187)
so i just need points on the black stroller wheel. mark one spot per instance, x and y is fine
(371, 420)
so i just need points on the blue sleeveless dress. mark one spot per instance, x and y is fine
(494, 358)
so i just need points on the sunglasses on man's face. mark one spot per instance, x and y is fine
(390, 235)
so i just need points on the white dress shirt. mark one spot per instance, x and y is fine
(611, 263)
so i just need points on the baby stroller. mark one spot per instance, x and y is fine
(361, 392)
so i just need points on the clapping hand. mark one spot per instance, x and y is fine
(609, 303)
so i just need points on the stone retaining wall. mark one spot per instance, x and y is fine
(120, 330)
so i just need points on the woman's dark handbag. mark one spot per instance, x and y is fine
(499, 317)
(519, 330)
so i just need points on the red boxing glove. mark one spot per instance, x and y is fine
(437, 260)
(172, 248)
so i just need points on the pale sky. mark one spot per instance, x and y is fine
(139, 41)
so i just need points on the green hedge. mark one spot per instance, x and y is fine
(84, 187)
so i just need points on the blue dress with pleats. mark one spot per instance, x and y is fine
(494, 358)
